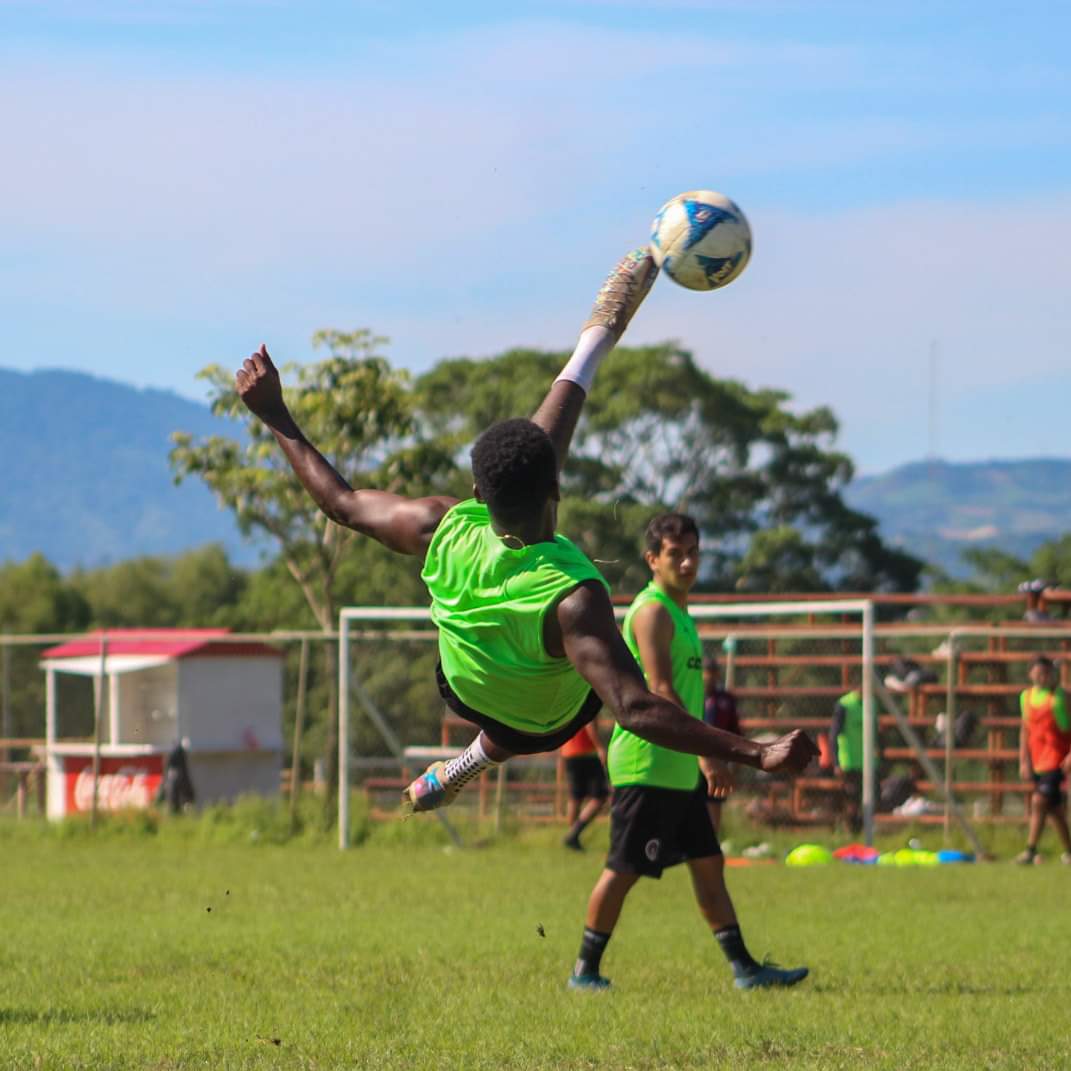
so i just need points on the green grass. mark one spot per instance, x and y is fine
(403, 954)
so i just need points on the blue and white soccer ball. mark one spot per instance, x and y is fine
(701, 240)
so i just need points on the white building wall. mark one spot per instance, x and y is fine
(224, 776)
(232, 703)
(55, 799)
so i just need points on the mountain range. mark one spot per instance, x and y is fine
(937, 509)
(87, 480)
(87, 483)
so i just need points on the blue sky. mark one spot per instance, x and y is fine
(184, 179)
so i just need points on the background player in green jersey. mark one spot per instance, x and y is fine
(528, 646)
(659, 816)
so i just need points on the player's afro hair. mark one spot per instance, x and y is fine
(515, 468)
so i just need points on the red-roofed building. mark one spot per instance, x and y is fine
(221, 698)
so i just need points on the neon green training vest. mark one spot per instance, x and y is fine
(850, 738)
(634, 761)
(489, 601)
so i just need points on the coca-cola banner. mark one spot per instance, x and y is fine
(123, 782)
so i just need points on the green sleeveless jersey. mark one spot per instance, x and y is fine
(634, 761)
(850, 740)
(489, 601)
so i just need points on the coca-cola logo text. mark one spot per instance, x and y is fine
(121, 784)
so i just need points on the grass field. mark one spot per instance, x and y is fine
(177, 952)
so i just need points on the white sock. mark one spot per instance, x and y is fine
(592, 346)
(469, 764)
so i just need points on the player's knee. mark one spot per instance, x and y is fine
(618, 882)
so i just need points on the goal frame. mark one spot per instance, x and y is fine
(353, 615)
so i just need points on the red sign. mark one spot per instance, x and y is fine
(123, 782)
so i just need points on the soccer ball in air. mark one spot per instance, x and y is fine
(701, 240)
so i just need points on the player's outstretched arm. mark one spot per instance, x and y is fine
(403, 524)
(594, 645)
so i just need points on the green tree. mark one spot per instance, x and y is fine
(778, 560)
(355, 408)
(207, 587)
(660, 433)
(136, 593)
(34, 598)
(358, 412)
(1052, 560)
(197, 589)
(994, 570)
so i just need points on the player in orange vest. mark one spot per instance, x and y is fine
(585, 767)
(1045, 755)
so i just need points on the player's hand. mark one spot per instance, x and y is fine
(1024, 771)
(719, 778)
(258, 384)
(789, 753)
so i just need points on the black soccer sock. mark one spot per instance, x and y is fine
(732, 944)
(591, 949)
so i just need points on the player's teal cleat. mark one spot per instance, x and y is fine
(767, 975)
(593, 982)
(428, 793)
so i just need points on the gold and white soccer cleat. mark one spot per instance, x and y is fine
(623, 292)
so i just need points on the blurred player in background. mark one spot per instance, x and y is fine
(585, 770)
(1045, 756)
(846, 744)
(659, 818)
(719, 711)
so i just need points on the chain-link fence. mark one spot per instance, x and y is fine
(307, 660)
(785, 671)
(788, 669)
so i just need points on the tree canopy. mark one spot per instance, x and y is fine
(762, 478)
(763, 481)
(356, 409)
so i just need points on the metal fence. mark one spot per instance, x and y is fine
(958, 692)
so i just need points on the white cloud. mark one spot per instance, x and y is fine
(465, 192)
(842, 310)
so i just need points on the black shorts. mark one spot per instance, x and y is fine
(587, 778)
(513, 740)
(1050, 786)
(654, 828)
(853, 786)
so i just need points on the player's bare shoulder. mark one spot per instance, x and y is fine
(586, 610)
(588, 601)
(653, 620)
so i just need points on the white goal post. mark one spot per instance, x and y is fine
(364, 617)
